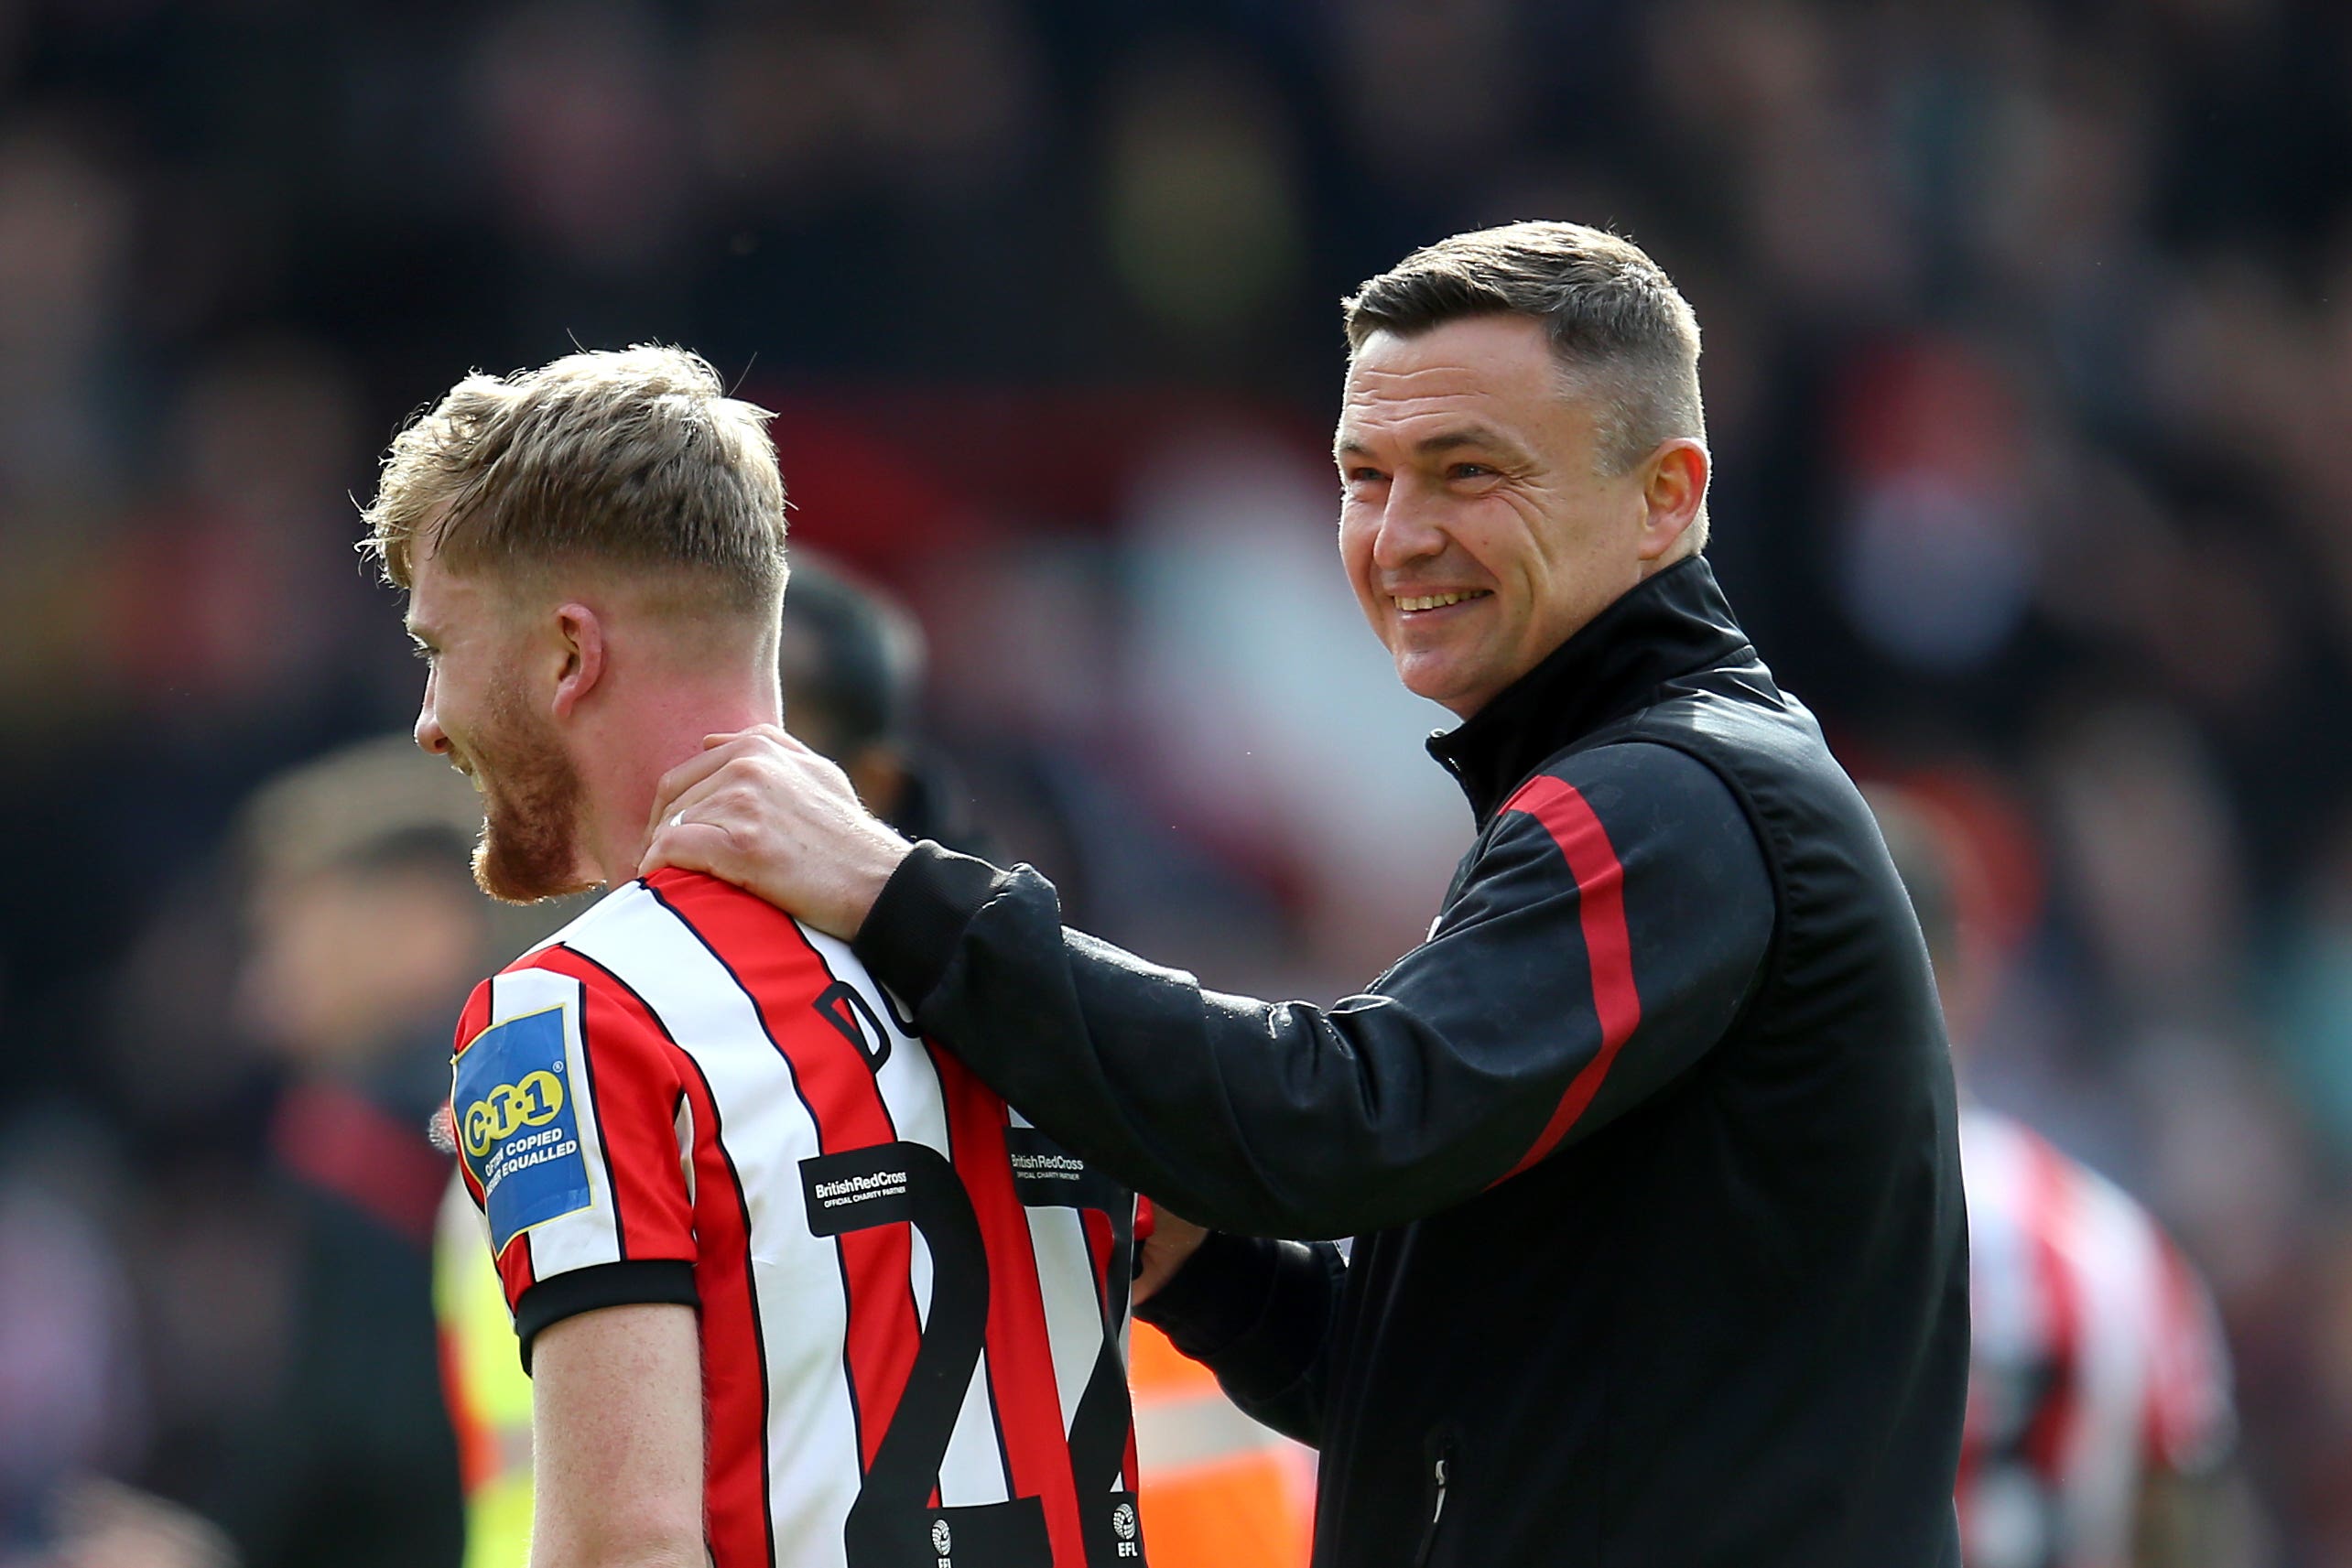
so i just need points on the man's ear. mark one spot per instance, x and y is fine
(579, 635)
(1674, 489)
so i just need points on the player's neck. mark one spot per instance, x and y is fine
(643, 736)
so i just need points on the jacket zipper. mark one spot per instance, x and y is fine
(1440, 1468)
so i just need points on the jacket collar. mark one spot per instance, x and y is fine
(1668, 624)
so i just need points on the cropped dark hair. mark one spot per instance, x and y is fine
(1616, 321)
(852, 653)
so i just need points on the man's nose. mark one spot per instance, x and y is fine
(1408, 532)
(429, 725)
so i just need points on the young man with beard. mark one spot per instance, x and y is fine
(792, 1288)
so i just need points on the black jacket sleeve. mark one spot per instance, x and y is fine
(1595, 950)
(1260, 1313)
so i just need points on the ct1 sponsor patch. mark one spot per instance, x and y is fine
(518, 1127)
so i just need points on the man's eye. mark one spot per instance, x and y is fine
(422, 652)
(1470, 470)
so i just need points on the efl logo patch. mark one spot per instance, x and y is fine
(518, 1131)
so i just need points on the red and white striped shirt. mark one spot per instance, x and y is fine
(912, 1308)
(2097, 1358)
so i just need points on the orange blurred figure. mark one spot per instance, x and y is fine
(1219, 1490)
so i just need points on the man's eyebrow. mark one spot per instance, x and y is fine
(1443, 442)
(1465, 435)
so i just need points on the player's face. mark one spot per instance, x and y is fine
(1475, 525)
(479, 712)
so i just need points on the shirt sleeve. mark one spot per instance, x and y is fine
(1605, 937)
(1261, 1315)
(570, 1107)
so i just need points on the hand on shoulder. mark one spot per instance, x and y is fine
(760, 809)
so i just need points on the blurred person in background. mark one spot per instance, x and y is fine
(851, 661)
(704, 1141)
(2100, 1429)
(1666, 1085)
(364, 932)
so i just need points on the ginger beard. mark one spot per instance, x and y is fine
(531, 800)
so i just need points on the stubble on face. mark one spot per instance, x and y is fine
(1476, 525)
(531, 804)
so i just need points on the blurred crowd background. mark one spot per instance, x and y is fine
(2029, 376)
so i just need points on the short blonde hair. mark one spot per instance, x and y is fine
(635, 456)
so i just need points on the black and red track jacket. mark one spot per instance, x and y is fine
(1648, 1149)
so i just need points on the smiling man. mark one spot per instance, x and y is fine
(1648, 1149)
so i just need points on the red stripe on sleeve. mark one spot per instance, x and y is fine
(515, 1271)
(473, 1020)
(1600, 898)
(784, 976)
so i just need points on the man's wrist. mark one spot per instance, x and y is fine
(917, 918)
(1253, 1309)
(1215, 1294)
(881, 854)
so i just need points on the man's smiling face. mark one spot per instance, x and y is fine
(1477, 526)
(481, 712)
